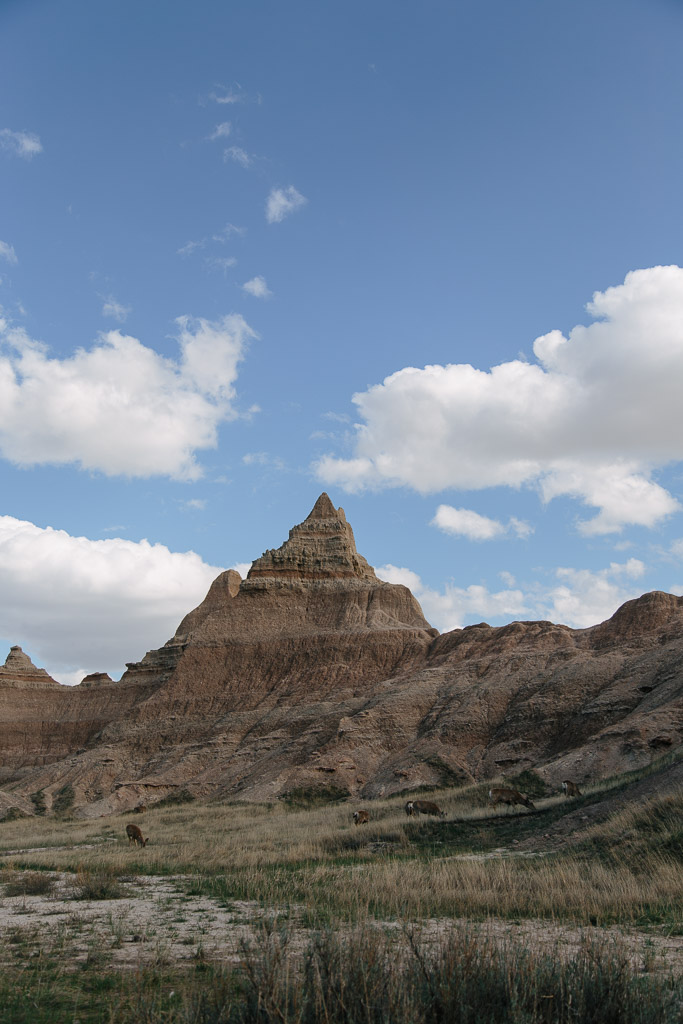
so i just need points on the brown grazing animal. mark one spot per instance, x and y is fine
(570, 788)
(410, 808)
(510, 797)
(361, 817)
(426, 807)
(140, 809)
(135, 836)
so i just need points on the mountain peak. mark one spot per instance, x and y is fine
(322, 547)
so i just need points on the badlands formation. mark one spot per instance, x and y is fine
(313, 674)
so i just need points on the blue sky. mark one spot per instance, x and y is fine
(422, 256)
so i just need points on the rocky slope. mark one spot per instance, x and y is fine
(312, 673)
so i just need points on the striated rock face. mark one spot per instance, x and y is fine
(314, 673)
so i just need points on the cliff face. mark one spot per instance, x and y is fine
(312, 672)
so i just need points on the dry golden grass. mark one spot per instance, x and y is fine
(320, 860)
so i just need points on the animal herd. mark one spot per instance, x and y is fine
(497, 795)
(414, 808)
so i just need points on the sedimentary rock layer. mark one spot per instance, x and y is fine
(313, 673)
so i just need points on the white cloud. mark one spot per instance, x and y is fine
(455, 606)
(221, 131)
(7, 252)
(464, 522)
(222, 236)
(581, 597)
(263, 459)
(242, 568)
(120, 407)
(77, 605)
(23, 144)
(257, 287)
(115, 309)
(238, 155)
(577, 598)
(228, 96)
(224, 263)
(281, 202)
(597, 413)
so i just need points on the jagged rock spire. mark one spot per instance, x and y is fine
(17, 661)
(322, 547)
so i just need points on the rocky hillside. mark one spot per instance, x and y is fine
(314, 674)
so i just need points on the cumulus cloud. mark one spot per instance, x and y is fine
(7, 252)
(257, 287)
(464, 522)
(115, 309)
(596, 414)
(581, 597)
(281, 202)
(23, 144)
(455, 607)
(576, 597)
(119, 407)
(77, 605)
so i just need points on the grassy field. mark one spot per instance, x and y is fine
(458, 904)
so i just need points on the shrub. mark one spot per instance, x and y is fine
(183, 796)
(314, 796)
(96, 885)
(14, 814)
(27, 883)
(38, 801)
(63, 799)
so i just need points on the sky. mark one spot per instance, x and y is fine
(423, 256)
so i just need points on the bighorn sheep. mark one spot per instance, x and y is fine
(424, 807)
(570, 788)
(361, 817)
(140, 809)
(501, 795)
(135, 836)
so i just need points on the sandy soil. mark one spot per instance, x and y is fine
(157, 923)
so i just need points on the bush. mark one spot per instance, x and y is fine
(38, 801)
(63, 799)
(14, 814)
(27, 883)
(314, 796)
(183, 796)
(96, 885)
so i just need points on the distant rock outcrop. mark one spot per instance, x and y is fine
(312, 673)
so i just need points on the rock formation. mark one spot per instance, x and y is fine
(312, 673)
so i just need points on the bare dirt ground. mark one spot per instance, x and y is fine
(156, 923)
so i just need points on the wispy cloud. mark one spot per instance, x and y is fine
(257, 287)
(238, 155)
(222, 263)
(115, 309)
(227, 96)
(23, 144)
(221, 236)
(7, 252)
(281, 202)
(221, 131)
